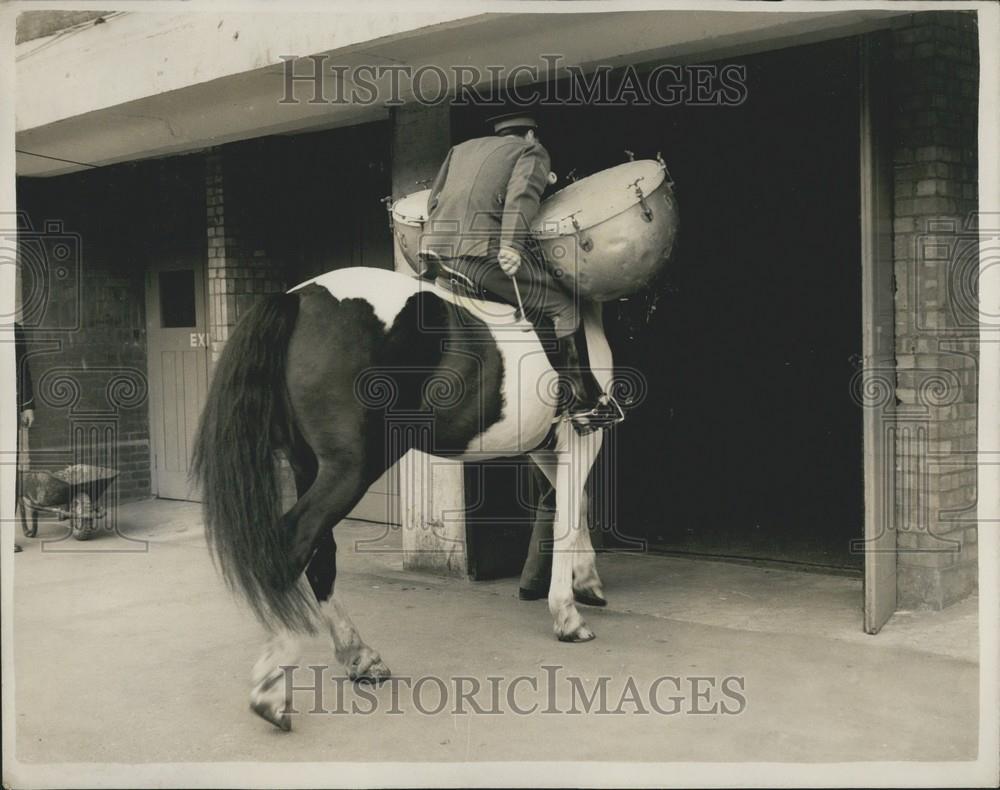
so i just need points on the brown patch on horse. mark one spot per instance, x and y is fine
(448, 368)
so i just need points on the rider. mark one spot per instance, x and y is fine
(482, 203)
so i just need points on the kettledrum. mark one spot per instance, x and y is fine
(606, 235)
(408, 217)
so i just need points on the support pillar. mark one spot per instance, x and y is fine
(431, 490)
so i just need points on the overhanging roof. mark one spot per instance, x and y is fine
(148, 84)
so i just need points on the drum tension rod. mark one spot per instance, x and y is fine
(585, 244)
(659, 158)
(647, 212)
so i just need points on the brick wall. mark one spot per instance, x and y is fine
(239, 268)
(421, 137)
(84, 310)
(283, 209)
(935, 87)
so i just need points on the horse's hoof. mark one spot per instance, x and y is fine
(267, 712)
(368, 668)
(579, 634)
(589, 599)
(374, 676)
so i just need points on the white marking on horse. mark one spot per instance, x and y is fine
(360, 660)
(527, 413)
(386, 291)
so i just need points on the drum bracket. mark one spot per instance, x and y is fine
(387, 202)
(586, 244)
(666, 172)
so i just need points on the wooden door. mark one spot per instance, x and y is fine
(177, 338)
(878, 339)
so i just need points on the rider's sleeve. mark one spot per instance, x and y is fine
(439, 180)
(524, 193)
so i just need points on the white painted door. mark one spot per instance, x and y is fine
(177, 340)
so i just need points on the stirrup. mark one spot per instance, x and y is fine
(597, 418)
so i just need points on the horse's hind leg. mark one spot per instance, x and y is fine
(335, 489)
(361, 661)
(270, 696)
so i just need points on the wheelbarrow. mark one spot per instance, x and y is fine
(72, 493)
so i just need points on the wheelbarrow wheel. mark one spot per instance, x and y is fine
(29, 531)
(80, 520)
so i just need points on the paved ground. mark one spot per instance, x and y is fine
(141, 656)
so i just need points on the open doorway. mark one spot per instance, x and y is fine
(748, 444)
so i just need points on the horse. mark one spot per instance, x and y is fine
(343, 375)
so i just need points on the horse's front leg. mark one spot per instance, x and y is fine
(587, 585)
(575, 457)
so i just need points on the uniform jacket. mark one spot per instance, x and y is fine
(485, 195)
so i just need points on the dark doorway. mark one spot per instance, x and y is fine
(313, 200)
(748, 443)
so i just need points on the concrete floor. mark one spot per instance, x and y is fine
(130, 650)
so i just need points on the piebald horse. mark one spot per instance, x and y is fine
(343, 375)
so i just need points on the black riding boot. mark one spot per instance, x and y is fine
(580, 396)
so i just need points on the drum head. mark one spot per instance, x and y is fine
(412, 209)
(596, 198)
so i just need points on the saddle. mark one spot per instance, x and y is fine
(435, 271)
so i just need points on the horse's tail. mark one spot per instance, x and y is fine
(246, 419)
